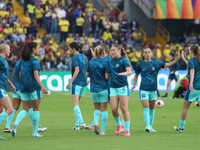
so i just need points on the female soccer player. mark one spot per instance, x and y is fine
(173, 70)
(4, 72)
(193, 91)
(78, 82)
(98, 71)
(30, 86)
(119, 92)
(148, 88)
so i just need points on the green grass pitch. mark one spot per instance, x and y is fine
(57, 114)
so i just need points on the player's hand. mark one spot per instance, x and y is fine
(133, 87)
(45, 91)
(92, 52)
(191, 88)
(182, 54)
(122, 74)
(88, 82)
(172, 72)
(68, 86)
(179, 55)
(13, 87)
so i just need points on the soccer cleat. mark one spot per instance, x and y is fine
(178, 129)
(102, 133)
(14, 130)
(123, 129)
(96, 128)
(91, 128)
(76, 128)
(83, 126)
(2, 138)
(148, 129)
(7, 130)
(127, 133)
(40, 129)
(164, 96)
(152, 130)
(36, 135)
(118, 131)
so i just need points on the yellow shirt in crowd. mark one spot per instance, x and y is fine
(106, 35)
(132, 57)
(31, 8)
(69, 40)
(3, 13)
(54, 47)
(137, 36)
(39, 13)
(90, 41)
(84, 38)
(27, 21)
(80, 21)
(159, 54)
(2, 36)
(8, 30)
(166, 53)
(138, 54)
(64, 25)
(22, 31)
(89, 6)
(39, 41)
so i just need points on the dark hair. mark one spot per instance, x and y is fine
(196, 51)
(75, 45)
(172, 53)
(27, 50)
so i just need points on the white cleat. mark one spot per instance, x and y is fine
(178, 129)
(91, 128)
(152, 130)
(40, 129)
(76, 128)
(36, 135)
(102, 133)
(14, 130)
(148, 129)
(96, 128)
(83, 126)
(7, 130)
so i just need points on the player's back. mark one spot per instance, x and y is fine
(4, 73)
(16, 78)
(196, 65)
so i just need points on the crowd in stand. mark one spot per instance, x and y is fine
(75, 21)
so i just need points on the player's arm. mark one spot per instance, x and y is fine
(37, 78)
(76, 72)
(169, 64)
(127, 73)
(87, 74)
(12, 86)
(107, 76)
(182, 56)
(191, 78)
(135, 81)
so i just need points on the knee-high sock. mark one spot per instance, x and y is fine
(146, 116)
(151, 114)
(182, 123)
(36, 119)
(78, 113)
(30, 114)
(76, 119)
(3, 116)
(127, 125)
(117, 119)
(10, 117)
(97, 114)
(104, 118)
(20, 116)
(123, 123)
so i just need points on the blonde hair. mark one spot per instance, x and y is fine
(2, 47)
(98, 51)
(107, 50)
(123, 52)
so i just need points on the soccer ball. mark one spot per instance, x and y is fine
(159, 103)
(197, 104)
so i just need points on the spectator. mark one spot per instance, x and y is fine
(8, 32)
(86, 27)
(12, 14)
(45, 39)
(61, 13)
(71, 5)
(77, 11)
(83, 39)
(106, 35)
(114, 12)
(124, 24)
(64, 28)
(94, 20)
(9, 5)
(157, 52)
(22, 32)
(61, 63)
(86, 14)
(91, 40)
(54, 21)
(1, 27)
(138, 54)
(89, 6)
(15, 33)
(27, 22)
(79, 24)
(133, 24)
(39, 15)
(98, 28)
(82, 4)
(31, 7)
(129, 37)
(2, 36)
(2, 4)
(29, 38)
(115, 25)
(77, 38)
(38, 2)
(70, 17)
(10, 22)
(22, 3)
(133, 59)
(33, 27)
(3, 12)
(69, 39)
(48, 16)
(37, 39)
(107, 24)
(166, 53)
(137, 37)
(104, 8)
(115, 35)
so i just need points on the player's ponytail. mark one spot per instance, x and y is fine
(3, 47)
(198, 54)
(27, 50)
(123, 52)
(196, 51)
(98, 51)
(107, 50)
(76, 46)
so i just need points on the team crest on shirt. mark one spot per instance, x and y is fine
(143, 95)
(153, 68)
(117, 65)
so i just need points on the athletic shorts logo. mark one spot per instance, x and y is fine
(143, 95)
(4, 92)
